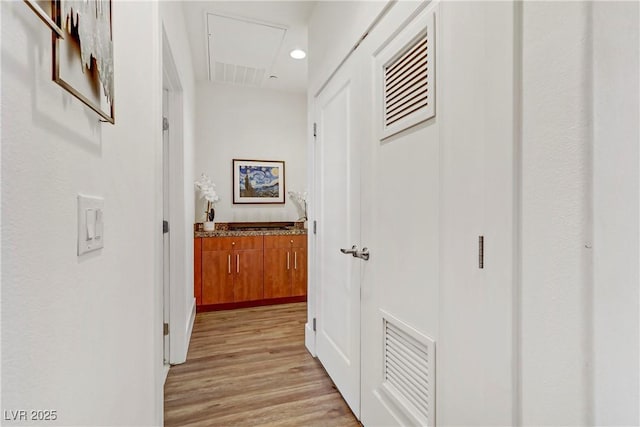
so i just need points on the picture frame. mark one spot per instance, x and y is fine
(89, 79)
(258, 181)
(44, 17)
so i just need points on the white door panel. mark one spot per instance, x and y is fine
(338, 217)
(402, 226)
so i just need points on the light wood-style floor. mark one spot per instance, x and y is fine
(249, 367)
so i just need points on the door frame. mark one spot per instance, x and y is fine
(166, 237)
(180, 320)
(312, 289)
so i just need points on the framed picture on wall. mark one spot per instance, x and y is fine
(258, 181)
(83, 59)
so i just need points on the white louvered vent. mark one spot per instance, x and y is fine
(409, 375)
(407, 76)
(405, 83)
(238, 74)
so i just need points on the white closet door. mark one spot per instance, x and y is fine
(338, 219)
(402, 202)
(437, 325)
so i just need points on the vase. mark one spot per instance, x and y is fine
(209, 226)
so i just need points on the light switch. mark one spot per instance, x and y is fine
(90, 223)
(99, 225)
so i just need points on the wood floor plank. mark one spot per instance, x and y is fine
(249, 367)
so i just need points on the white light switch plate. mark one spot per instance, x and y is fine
(90, 223)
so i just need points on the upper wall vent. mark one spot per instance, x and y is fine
(406, 88)
(242, 51)
(406, 76)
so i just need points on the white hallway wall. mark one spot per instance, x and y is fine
(616, 134)
(82, 335)
(579, 301)
(555, 225)
(568, 316)
(249, 123)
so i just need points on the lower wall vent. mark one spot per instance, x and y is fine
(409, 376)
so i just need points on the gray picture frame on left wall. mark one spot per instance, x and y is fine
(86, 71)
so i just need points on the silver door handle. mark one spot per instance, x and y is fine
(237, 263)
(229, 262)
(352, 251)
(295, 260)
(288, 257)
(363, 254)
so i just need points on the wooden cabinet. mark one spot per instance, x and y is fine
(299, 273)
(277, 281)
(197, 270)
(285, 262)
(231, 269)
(217, 279)
(248, 280)
(246, 271)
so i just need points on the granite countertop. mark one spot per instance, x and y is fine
(259, 232)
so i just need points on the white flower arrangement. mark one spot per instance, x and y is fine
(301, 200)
(207, 192)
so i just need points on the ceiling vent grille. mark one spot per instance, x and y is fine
(238, 74)
(409, 376)
(406, 67)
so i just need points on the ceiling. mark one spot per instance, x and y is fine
(245, 42)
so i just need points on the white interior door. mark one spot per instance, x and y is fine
(402, 222)
(165, 235)
(436, 167)
(432, 189)
(338, 227)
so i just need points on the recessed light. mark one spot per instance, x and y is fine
(298, 54)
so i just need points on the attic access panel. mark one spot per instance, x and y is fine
(242, 51)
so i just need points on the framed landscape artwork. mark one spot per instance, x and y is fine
(258, 181)
(83, 59)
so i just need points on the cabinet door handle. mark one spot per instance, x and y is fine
(237, 263)
(288, 255)
(229, 262)
(295, 260)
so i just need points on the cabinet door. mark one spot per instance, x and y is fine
(217, 280)
(299, 272)
(299, 241)
(277, 273)
(197, 270)
(277, 241)
(248, 271)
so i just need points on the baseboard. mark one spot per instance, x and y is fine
(247, 304)
(165, 372)
(310, 339)
(192, 319)
(180, 347)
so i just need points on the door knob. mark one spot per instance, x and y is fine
(363, 254)
(351, 251)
